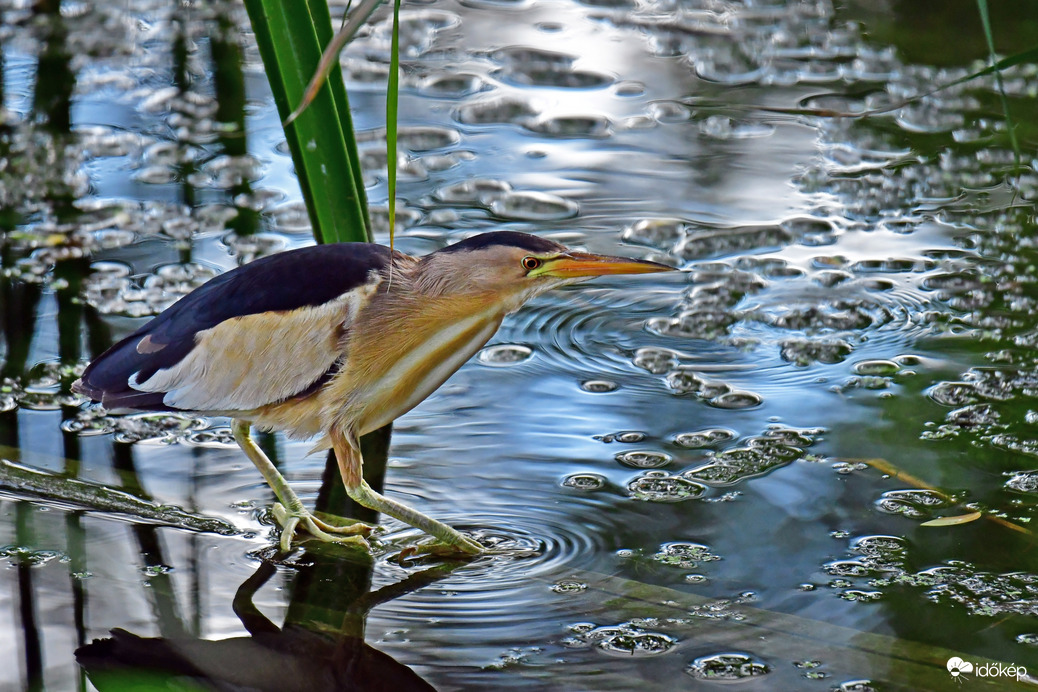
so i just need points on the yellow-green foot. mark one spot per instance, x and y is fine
(462, 550)
(291, 521)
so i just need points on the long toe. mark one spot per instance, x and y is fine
(465, 551)
(341, 525)
(301, 524)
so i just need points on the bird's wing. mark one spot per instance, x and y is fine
(259, 334)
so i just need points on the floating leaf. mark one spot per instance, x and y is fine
(954, 521)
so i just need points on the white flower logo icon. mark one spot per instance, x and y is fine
(957, 667)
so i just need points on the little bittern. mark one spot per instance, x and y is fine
(334, 340)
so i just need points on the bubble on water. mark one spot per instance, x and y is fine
(584, 481)
(708, 242)
(828, 315)
(657, 233)
(473, 191)
(427, 138)
(704, 438)
(444, 162)
(913, 503)
(655, 360)
(973, 417)
(569, 586)
(496, 109)
(533, 206)
(8, 401)
(954, 393)
(103, 141)
(552, 77)
(734, 465)
(893, 265)
(727, 667)
(599, 386)
(626, 436)
(865, 383)
(530, 58)
(452, 85)
(804, 352)
(405, 217)
(503, 355)
(220, 437)
(290, 218)
(876, 367)
(860, 596)
(226, 172)
(669, 112)
(33, 557)
(699, 323)
(684, 555)
(625, 639)
(365, 73)
(830, 278)
(250, 247)
(884, 553)
(571, 126)
(155, 570)
(1023, 482)
(258, 199)
(155, 175)
(684, 380)
(847, 568)
(215, 217)
(629, 88)
(736, 400)
(643, 459)
(152, 428)
(91, 421)
(723, 127)
(796, 437)
(658, 486)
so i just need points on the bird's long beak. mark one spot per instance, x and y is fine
(576, 264)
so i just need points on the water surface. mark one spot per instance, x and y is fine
(687, 456)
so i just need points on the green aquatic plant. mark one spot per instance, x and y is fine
(291, 39)
(985, 21)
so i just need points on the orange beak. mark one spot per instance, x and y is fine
(577, 264)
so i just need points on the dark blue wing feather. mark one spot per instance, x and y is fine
(290, 280)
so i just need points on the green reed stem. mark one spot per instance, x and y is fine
(291, 37)
(985, 20)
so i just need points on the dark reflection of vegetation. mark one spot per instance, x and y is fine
(55, 83)
(19, 302)
(229, 86)
(31, 640)
(319, 647)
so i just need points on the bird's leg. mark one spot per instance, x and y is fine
(347, 453)
(289, 510)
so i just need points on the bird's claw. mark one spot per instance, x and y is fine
(290, 521)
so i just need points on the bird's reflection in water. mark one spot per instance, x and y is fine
(320, 647)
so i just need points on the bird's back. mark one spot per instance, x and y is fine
(255, 321)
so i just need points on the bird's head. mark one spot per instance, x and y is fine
(517, 266)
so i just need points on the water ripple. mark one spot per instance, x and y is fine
(596, 333)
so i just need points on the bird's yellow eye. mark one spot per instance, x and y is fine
(531, 263)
